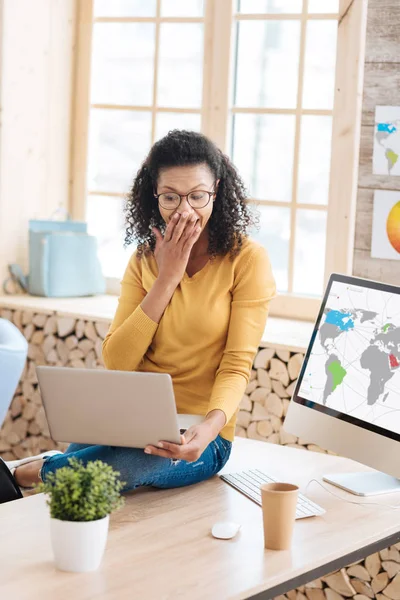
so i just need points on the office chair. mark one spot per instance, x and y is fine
(13, 351)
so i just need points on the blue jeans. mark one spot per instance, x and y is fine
(140, 469)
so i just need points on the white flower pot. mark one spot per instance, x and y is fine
(79, 545)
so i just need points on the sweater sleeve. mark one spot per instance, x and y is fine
(253, 289)
(131, 331)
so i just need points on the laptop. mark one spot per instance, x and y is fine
(113, 408)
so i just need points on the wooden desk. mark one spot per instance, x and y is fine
(160, 546)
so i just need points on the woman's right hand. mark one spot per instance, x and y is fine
(173, 250)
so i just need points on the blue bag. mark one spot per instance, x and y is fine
(63, 260)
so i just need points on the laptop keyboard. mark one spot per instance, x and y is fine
(249, 483)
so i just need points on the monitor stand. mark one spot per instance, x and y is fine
(369, 483)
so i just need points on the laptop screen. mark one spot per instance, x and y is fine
(352, 366)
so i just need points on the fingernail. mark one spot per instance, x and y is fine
(147, 450)
(184, 215)
(198, 229)
(176, 216)
(160, 445)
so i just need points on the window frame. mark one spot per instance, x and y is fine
(216, 109)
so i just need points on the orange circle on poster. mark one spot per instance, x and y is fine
(393, 227)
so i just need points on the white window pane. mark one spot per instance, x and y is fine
(314, 159)
(274, 235)
(167, 121)
(105, 218)
(309, 257)
(263, 147)
(267, 64)
(320, 61)
(323, 6)
(269, 6)
(180, 78)
(125, 8)
(123, 63)
(118, 143)
(182, 8)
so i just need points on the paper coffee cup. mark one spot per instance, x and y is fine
(279, 502)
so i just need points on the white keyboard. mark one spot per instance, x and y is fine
(249, 483)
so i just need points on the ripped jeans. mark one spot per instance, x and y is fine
(140, 469)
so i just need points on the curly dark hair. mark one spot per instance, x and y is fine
(230, 219)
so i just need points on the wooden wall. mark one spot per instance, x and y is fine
(37, 48)
(381, 87)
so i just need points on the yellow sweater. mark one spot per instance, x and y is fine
(209, 333)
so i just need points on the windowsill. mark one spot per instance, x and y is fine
(93, 308)
(287, 334)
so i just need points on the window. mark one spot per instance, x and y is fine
(281, 129)
(257, 76)
(141, 85)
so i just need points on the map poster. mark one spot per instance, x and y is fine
(354, 365)
(386, 225)
(386, 156)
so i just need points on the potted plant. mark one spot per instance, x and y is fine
(81, 499)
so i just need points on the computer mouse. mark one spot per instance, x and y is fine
(225, 530)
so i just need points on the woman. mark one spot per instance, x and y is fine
(194, 302)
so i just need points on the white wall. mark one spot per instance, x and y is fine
(37, 46)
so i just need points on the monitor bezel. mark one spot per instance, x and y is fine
(367, 283)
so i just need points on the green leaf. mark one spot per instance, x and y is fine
(83, 493)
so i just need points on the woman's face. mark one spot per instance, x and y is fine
(184, 180)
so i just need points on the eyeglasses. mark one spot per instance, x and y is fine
(197, 199)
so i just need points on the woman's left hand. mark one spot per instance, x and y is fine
(194, 442)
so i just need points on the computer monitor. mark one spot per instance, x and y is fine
(347, 397)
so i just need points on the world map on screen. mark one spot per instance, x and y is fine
(354, 365)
